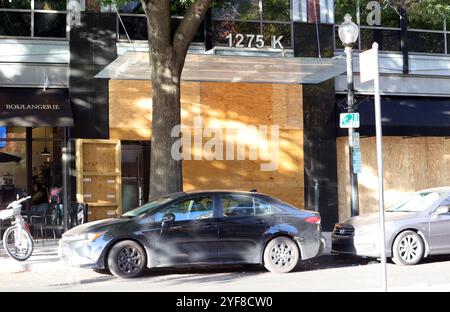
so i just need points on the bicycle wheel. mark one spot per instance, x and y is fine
(19, 252)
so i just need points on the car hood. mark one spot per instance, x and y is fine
(373, 218)
(93, 226)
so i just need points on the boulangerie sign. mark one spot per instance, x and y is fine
(33, 107)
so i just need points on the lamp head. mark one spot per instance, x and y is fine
(348, 31)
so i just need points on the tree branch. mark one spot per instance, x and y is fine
(188, 28)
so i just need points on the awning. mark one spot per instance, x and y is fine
(5, 157)
(30, 107)
(219, 68)
(402, 116)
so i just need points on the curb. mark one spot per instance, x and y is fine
(54, 265)
(44, 259)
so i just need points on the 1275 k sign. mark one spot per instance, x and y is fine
(252, 41)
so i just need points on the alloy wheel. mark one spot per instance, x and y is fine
(129, 260)
(409, 248)
(282, 254)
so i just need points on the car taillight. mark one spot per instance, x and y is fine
(313, 220)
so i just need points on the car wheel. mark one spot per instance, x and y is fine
(126, 259)
(281, 255)
(408, 248)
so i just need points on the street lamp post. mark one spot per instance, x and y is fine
(348, 33)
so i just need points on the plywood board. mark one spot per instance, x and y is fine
(99, 177)
(219, 106)
(410, 164)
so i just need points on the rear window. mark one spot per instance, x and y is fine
(243, 205)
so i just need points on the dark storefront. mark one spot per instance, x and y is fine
(34, 122)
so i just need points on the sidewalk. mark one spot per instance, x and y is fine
(44, 258)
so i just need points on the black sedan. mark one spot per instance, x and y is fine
(202, 228)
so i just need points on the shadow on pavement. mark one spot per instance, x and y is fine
(228, 273)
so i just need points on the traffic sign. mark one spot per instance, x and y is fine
(349, 120)
(356, 144)
(357, 161)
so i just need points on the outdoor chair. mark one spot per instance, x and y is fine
(49, 220)
(78, 214)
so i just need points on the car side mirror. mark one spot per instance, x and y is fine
(442, 210)
(168, 218)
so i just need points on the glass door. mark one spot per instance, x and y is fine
(135, 164)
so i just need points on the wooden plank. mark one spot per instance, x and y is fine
(104, 212)
(103, 205)
(79, 166)
(100, 185)
(99, 173)
(99, 157)
(118, 187)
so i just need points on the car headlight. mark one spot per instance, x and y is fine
(93, 236)
(90, 237)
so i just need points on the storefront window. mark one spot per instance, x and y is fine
(388, 40)
(15, 24)
(426, 42)
(251, 18)
(50, 25)
(16, 4)
(380, 22)
(276, 10)
(57, 5)
(13, 178)
(420, 39)
(132, 7)
(237, 10)
(284, 30)
(49, 18)
(222, 29)
(135, 21)
(136, 27)
(46, 169)
(388, 16)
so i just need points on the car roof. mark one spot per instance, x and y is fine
(436, 189)
(218, 192)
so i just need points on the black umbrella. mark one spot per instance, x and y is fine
(5, 157)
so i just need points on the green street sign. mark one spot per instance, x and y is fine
(349, 120)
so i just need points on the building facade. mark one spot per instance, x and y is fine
(103, 123)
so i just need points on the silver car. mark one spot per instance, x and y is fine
(416, 226)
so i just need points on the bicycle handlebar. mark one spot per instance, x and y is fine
(17, 202)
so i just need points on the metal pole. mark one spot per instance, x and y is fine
(29, 163)
(354, 196)
(404, 40)
(379, 139)
(65, 177)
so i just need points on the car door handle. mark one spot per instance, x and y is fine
(261, 221)
(209, 226)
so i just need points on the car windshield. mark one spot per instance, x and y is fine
(151, 206)
(415, 202)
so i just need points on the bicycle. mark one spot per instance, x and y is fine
(17, 239)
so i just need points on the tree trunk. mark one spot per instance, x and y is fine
(167, 53)
(165, 172)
